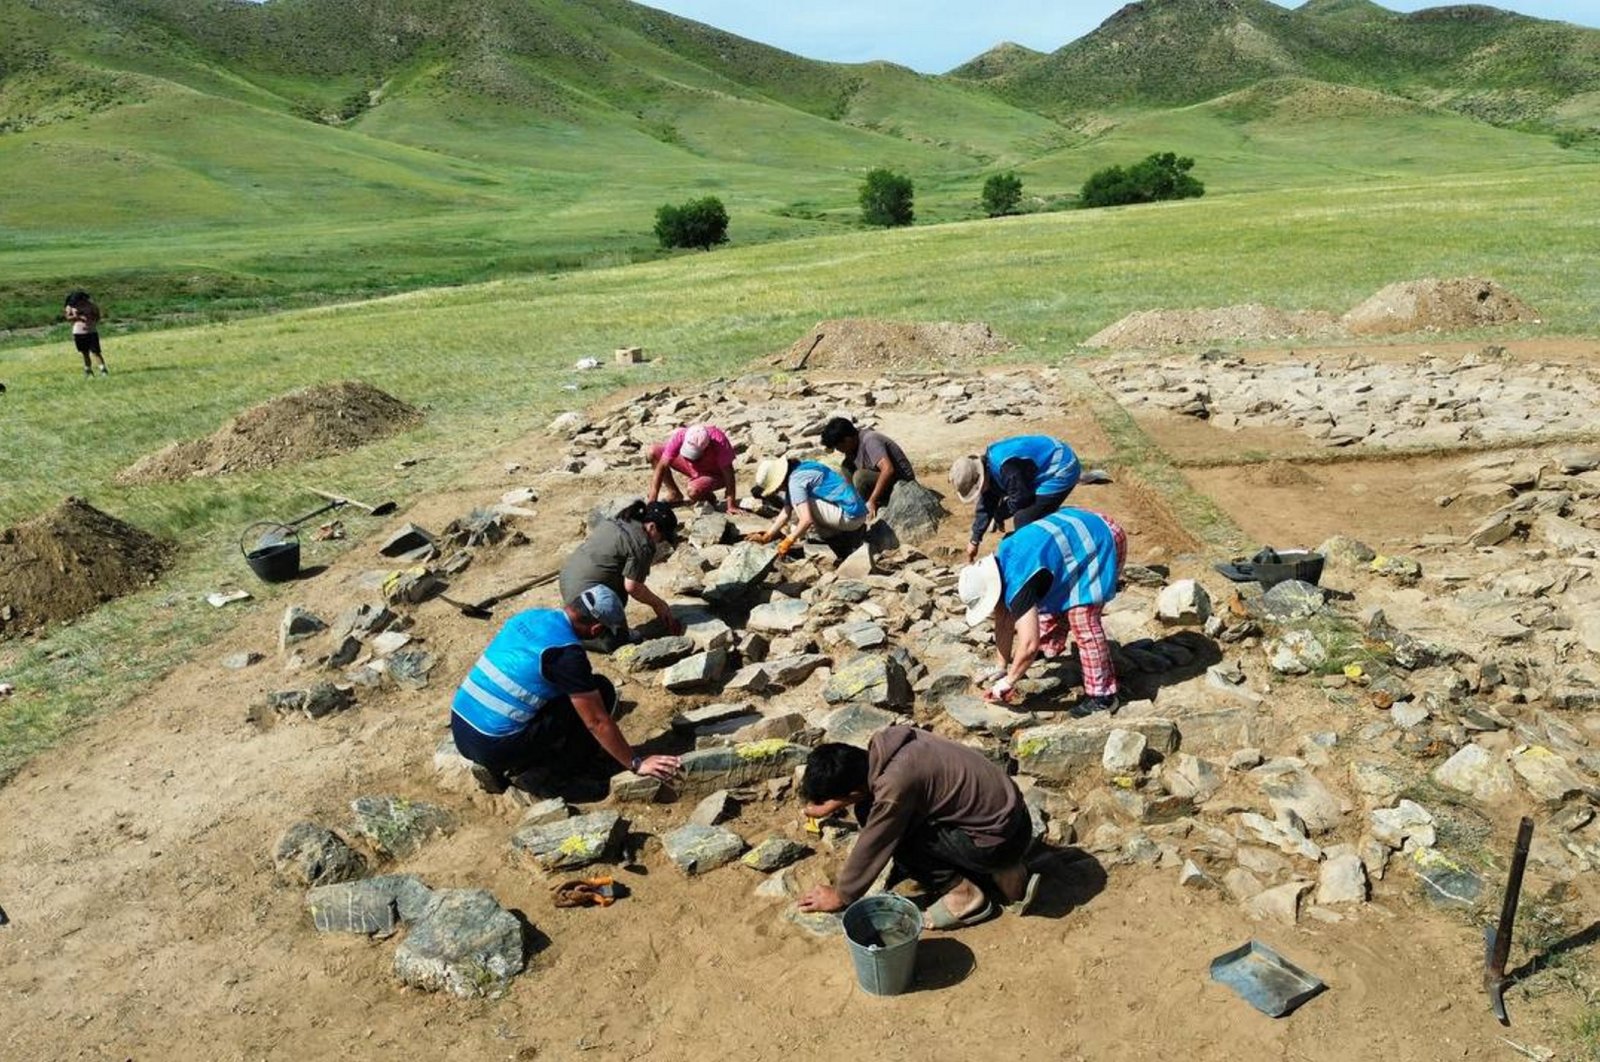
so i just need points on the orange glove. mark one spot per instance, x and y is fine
(785, 546)
(761, 537)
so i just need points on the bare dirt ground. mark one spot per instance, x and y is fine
(146, 924)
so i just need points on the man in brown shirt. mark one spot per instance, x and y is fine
(949, 818)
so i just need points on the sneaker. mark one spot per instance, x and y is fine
(1090, 705)
(104, 371)
(492, 782)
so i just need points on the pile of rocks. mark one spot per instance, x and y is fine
(1351, 400)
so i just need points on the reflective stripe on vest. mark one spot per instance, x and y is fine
(1075, 547)
(1057, 465)
(506, 687)
(834, 488)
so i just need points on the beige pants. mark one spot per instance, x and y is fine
(830, 519)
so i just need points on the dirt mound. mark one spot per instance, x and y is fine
(315, 422)
(1431, 305)
(868, 343)
(1249, 323)
(69, 561)
(1278, 474)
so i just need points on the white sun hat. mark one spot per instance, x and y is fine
(770, 475)
(980, 589)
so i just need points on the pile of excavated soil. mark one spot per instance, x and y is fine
(1431, 305)
(68, 562)
(866, 343)
(1250, 323)
(316, 422)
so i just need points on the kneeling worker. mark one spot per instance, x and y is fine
(873, 461)
(1018, 479)
(1067, 562)
(532, 704)
(618, 555)
(947, 815)
(812, 495)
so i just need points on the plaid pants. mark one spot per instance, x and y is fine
(1088, 632)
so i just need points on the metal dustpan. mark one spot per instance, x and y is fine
(1266, 980)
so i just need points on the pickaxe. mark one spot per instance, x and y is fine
(1497, 940)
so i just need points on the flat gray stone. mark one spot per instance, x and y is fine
(861, 635)
(409, 668)
(787, 672)
(774, 853)
(297, 626)
(1296, 789)
(654, 654)
(308, 854)
(1292, 600)
(569, 843)
(707, 716)
(629, 788)
(240, 661)
(870, 678)
(373, 907)
(977, 714)
(718, 807)
(696, 849)
(696, 672)
(1191, 778)
(396, 826)
(821, 924)
(730, 767)
(553, 809)
(854, 724)
(778, 616)
(466, 945)
(1477, 772)
(1445, 881)
(1407, 824)
(407, 539)
(1547, 776)
(1295, 652)
(1184, 604)
(710, 529)
(1124, 751)
(746, 565)
(1056, 752)
(1280, 904)
(1342, 879)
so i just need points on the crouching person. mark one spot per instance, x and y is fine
(813, 497)
(1065, 563)
(949, 818)
(531, 706)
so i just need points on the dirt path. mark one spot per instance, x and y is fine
(134, 865)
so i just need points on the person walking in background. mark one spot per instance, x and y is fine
(1018, 479)
(704, 456)
(532, 713)
(812, 495)
(618, 555)
(1067, 562)
(873, 462)
(81, 310)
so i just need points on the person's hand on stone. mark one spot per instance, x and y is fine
(872, 511)
(665, 768)
(759, 537)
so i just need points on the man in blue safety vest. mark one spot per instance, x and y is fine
(1066, 563)
(1018, 479)
(531, 712)
(813, 496)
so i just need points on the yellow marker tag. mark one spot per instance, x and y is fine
(813, 825)
(1353, 671)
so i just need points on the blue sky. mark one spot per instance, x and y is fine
(935, 35)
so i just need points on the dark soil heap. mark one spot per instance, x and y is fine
(68, 562)
(858, 343)
(316, 422)
(1432, 305)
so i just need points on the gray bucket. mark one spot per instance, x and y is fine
(882, 933)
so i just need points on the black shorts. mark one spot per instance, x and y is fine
(86, 342)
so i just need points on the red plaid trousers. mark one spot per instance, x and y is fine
(1088, 632)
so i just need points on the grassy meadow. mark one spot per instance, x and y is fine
(491, 362)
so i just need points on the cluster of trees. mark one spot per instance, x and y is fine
(887, 198)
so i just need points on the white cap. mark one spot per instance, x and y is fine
(694, 443)
(980, 589)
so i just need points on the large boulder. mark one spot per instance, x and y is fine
(569, 843)
(467, 945)
(1058, 751)
(1476, 771)
(732, 766)
(854, 724)
(914, 512)
(373, 907)
(746, 565)
(871, 678)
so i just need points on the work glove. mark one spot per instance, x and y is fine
(785, 546)
(1002, 692)
(761, 537)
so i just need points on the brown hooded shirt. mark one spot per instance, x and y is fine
(917, 779)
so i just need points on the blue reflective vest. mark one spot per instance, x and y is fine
(1057, 464)
(506, 687)
(833, 488)
(1075, 547)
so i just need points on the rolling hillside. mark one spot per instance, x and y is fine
(198, 156)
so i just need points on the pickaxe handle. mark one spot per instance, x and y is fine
(1497, 939)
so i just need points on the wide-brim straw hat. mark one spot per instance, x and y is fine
(979, 588)
(966, 476)
(770, 475)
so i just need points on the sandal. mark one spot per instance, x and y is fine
(939, 916)
(1021, 907)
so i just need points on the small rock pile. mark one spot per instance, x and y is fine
(1428, 402)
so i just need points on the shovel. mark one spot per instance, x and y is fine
(1497, 940)
(336, 500)
(485, 609)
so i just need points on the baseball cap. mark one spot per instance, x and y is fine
(694, 443)
(666, 521)
(601, 604)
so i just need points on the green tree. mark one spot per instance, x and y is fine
(1163, 175)
(886, 198)
(701, 223)
(1001, 194)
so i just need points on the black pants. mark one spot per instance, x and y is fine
(555, 746)
(1043, 505)
(937, 855)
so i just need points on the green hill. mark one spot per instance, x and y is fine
(191, 157)
(1482, 61)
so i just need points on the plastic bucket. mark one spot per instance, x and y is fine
(881, 932)
(272, 551)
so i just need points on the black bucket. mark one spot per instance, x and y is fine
(272, 550)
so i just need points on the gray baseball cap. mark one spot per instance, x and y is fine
(601, 603)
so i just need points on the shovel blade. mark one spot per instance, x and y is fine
(1494, 981)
